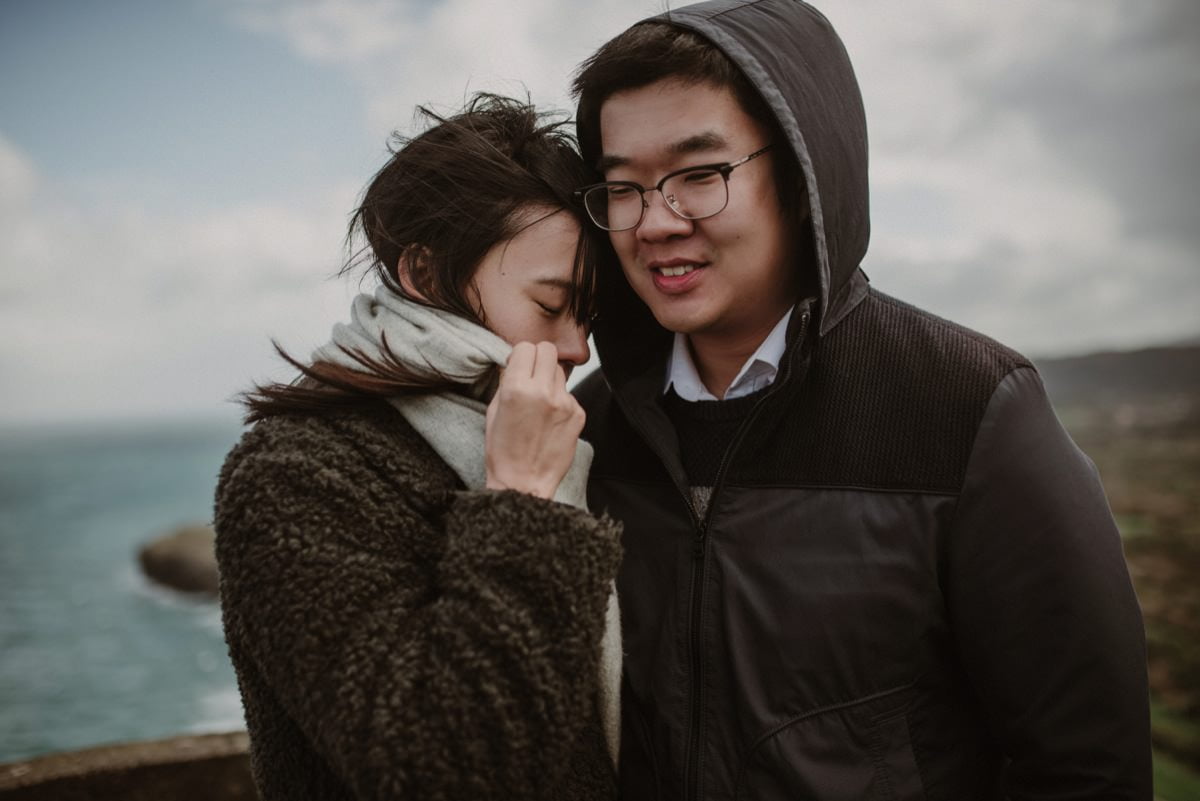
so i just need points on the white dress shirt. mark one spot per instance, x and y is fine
(758, 371)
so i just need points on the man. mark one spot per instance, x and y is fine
(862, 558)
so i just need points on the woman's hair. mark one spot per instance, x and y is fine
(442, 201)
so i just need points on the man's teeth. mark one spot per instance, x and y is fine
(675, 272)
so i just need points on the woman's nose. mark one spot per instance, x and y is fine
(572, 345)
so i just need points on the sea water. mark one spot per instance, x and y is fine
(91, 651)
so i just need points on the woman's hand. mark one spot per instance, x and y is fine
(533, 423)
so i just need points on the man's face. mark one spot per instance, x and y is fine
(725, 280)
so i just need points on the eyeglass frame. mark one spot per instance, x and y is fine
(724, 168)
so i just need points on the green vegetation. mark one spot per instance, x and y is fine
(1173, 781)
(1148, 455)
(1178, 733)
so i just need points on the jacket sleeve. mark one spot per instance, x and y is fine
(429, 644)
(1043, 610)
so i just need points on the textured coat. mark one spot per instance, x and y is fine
(396, 636)
(907, 584)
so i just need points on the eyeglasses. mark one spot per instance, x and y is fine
(692, 193)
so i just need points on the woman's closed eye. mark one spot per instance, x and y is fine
(550, 311)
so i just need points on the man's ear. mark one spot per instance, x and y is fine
(410, 270)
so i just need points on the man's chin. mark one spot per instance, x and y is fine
(677, 323)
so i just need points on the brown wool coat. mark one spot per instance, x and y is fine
(396, 636)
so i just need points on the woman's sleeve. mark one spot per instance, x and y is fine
(426, 649)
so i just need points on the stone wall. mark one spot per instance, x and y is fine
(213, 767)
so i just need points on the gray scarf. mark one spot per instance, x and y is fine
(437, 341)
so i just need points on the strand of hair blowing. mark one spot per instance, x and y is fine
(450, 193)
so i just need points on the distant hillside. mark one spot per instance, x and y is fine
(1151, 375)
(1137, 417)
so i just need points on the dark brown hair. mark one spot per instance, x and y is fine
(444, 199)
(653, 51)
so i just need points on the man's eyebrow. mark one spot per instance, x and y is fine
(699, 143)
(709, 140)
(607, 162)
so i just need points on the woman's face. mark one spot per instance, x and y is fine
(523, 286)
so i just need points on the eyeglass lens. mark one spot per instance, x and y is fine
(693, 195)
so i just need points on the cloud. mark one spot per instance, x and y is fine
(1033, 164)
(114, 303)
(406, 54)
(1033, 177)
(18, 179)
(1058, 135)
(1123, 104)
(333, 31)
(121, 309)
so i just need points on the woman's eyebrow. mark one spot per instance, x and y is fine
(557, 283)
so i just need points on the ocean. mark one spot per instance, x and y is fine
(91, 652)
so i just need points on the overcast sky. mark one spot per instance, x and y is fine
(175, 178)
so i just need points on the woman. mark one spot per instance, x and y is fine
(416, 601)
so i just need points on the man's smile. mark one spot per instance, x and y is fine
(674, 276)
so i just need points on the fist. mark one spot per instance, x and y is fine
(533, 423)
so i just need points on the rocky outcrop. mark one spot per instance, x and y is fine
(212, 767)
(183, 560)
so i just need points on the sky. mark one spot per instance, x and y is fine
(176, 178)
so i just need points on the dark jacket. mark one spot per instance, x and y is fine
(398, 637)
(908, 584)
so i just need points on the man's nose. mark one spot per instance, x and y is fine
(658, 221)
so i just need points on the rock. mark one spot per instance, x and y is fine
(183, 560)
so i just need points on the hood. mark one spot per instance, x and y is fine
(796, 61)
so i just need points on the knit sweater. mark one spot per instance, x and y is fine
(705, 430)
(396, 636)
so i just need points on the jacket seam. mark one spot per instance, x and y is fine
(877, 760)
(731, 10)
(953, 526)
(936, 492)
(918, 759)
(770, 733)
(943, 493)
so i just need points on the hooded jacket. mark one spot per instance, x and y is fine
(907, 583)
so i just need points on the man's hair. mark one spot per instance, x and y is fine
(654, 51)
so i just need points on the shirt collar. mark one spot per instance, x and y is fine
(758, 371)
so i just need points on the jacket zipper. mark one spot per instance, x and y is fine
(691, 759)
